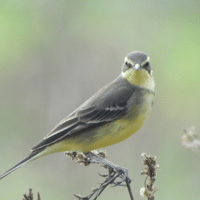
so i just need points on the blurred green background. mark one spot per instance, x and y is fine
(55, 54)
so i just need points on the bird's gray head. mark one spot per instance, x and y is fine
(137, 60)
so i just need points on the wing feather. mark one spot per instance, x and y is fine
(109, 104)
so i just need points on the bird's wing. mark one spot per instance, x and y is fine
(109, 104)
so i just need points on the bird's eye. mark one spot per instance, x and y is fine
(146, 64)
(128, 64)
(147, 67)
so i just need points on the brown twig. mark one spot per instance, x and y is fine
(150, 168)
(30, 195)
(114, 172)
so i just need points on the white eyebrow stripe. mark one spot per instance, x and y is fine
(128, 61)
(147, 60)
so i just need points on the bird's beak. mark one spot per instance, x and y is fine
(137, 66)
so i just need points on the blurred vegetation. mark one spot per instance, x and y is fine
(55, 54)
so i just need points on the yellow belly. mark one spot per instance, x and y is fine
(107, 135)
(114, 133)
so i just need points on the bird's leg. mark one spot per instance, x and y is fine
(113, 168)
(114, 171)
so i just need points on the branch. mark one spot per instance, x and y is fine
(150, 168)
(30, 195)
(114, 172)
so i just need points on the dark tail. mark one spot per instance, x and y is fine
(32, 156)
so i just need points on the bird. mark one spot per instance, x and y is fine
(111, 115)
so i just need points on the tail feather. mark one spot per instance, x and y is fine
(27, 159)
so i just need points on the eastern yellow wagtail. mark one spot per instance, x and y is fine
(111, 115)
